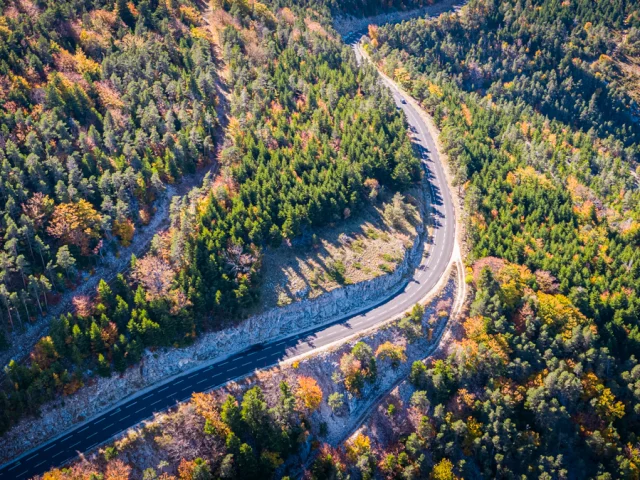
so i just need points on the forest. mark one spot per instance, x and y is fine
(525, 393)
(102, 105)
(542, 136)
(311, 139)
(543, 140)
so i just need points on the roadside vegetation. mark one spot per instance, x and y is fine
(274, 422)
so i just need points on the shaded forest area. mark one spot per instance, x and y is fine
(356, 8)
(311, 138)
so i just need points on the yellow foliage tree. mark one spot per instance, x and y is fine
(557, 310)
(124, 230)
(86, 65)
(513, 280)
(75, 224)
(207, 407)
(373, 35)
(351, 368)
(358, 447)
(602, 398)
(309, 393)
(443, 471)
(402, 76)
(394, 353)
(44, 353)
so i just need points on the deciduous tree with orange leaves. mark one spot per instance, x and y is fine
(309, 393)
(76, 224)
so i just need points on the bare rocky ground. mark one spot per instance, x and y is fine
(150, 443)
(365, 245)
(383, 430)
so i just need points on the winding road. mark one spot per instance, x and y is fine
(102, 428)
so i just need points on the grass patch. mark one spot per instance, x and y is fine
(372, 234)
(387, 257)
(283, 299)
(336, 271)
(386, 268)
(357, 246)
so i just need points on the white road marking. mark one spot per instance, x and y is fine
(75, 444)
(138, 411)
(15, 466)
(178, 382)
(163, 389)
(31, 457)
(49, 447)
(108, 426)
(112, 414)
(155, 403)
(131, 404)
(194, 375)
(101, 420)
(85, 428)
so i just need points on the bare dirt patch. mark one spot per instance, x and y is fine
(356, 250)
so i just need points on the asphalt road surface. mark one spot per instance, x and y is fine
(84, 437)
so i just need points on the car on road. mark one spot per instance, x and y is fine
(256, 348)
(404, 102)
